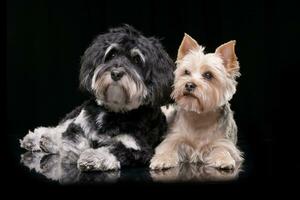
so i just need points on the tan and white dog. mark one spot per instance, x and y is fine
(201, 124)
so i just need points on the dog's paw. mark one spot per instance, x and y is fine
(31, 141)
(97, 160)
(48, 145)
(221, 160)
(163, 161)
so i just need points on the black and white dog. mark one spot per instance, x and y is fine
(129, 77)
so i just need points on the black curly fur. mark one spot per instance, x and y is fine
(146, 124)
(157, 71)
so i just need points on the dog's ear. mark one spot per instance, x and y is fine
(187, 44)
(89, 61)
(227, 53)
(161, 77)
(85, 75)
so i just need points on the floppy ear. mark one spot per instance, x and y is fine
(90, 59)
(227, 53)
(161, 76)
(187, 44)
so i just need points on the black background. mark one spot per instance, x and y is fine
(45, 40)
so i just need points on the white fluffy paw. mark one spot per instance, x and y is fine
(97, 160)
(48, 145)
(163, 161)
(31, 141)
(221, 160)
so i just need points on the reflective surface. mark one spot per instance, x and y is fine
(51, 167)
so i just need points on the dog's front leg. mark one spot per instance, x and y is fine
(112, 158)
(222, 154)
(171, 152)
(123, 151)
(46, 139)
(100, 159)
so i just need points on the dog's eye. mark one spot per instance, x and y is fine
(110, 55)
(187, 72)
(137, 59)
(207, 75)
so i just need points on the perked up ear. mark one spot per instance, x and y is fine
(187, 44)
(227, 53)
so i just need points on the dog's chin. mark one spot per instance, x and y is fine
(116, 94)
(190, 102)
(116, 99)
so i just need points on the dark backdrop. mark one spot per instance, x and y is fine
(45, 40)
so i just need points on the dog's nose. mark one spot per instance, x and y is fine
(116, 74)
(190, 86)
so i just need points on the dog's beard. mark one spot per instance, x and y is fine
(204, 98)
(119, 96)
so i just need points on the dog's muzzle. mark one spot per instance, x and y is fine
(118, 88)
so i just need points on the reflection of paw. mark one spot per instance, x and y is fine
(220, 159)
(167, 175)
(49, 161)
(164, 161)
(106, 177)
(51, 166)
(31, 141)
(32, 160)
(97, 160)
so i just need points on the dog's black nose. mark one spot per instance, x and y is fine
(190, 86)
(116, 74)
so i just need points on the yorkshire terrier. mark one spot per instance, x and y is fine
(201, 125)
(128, 77)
